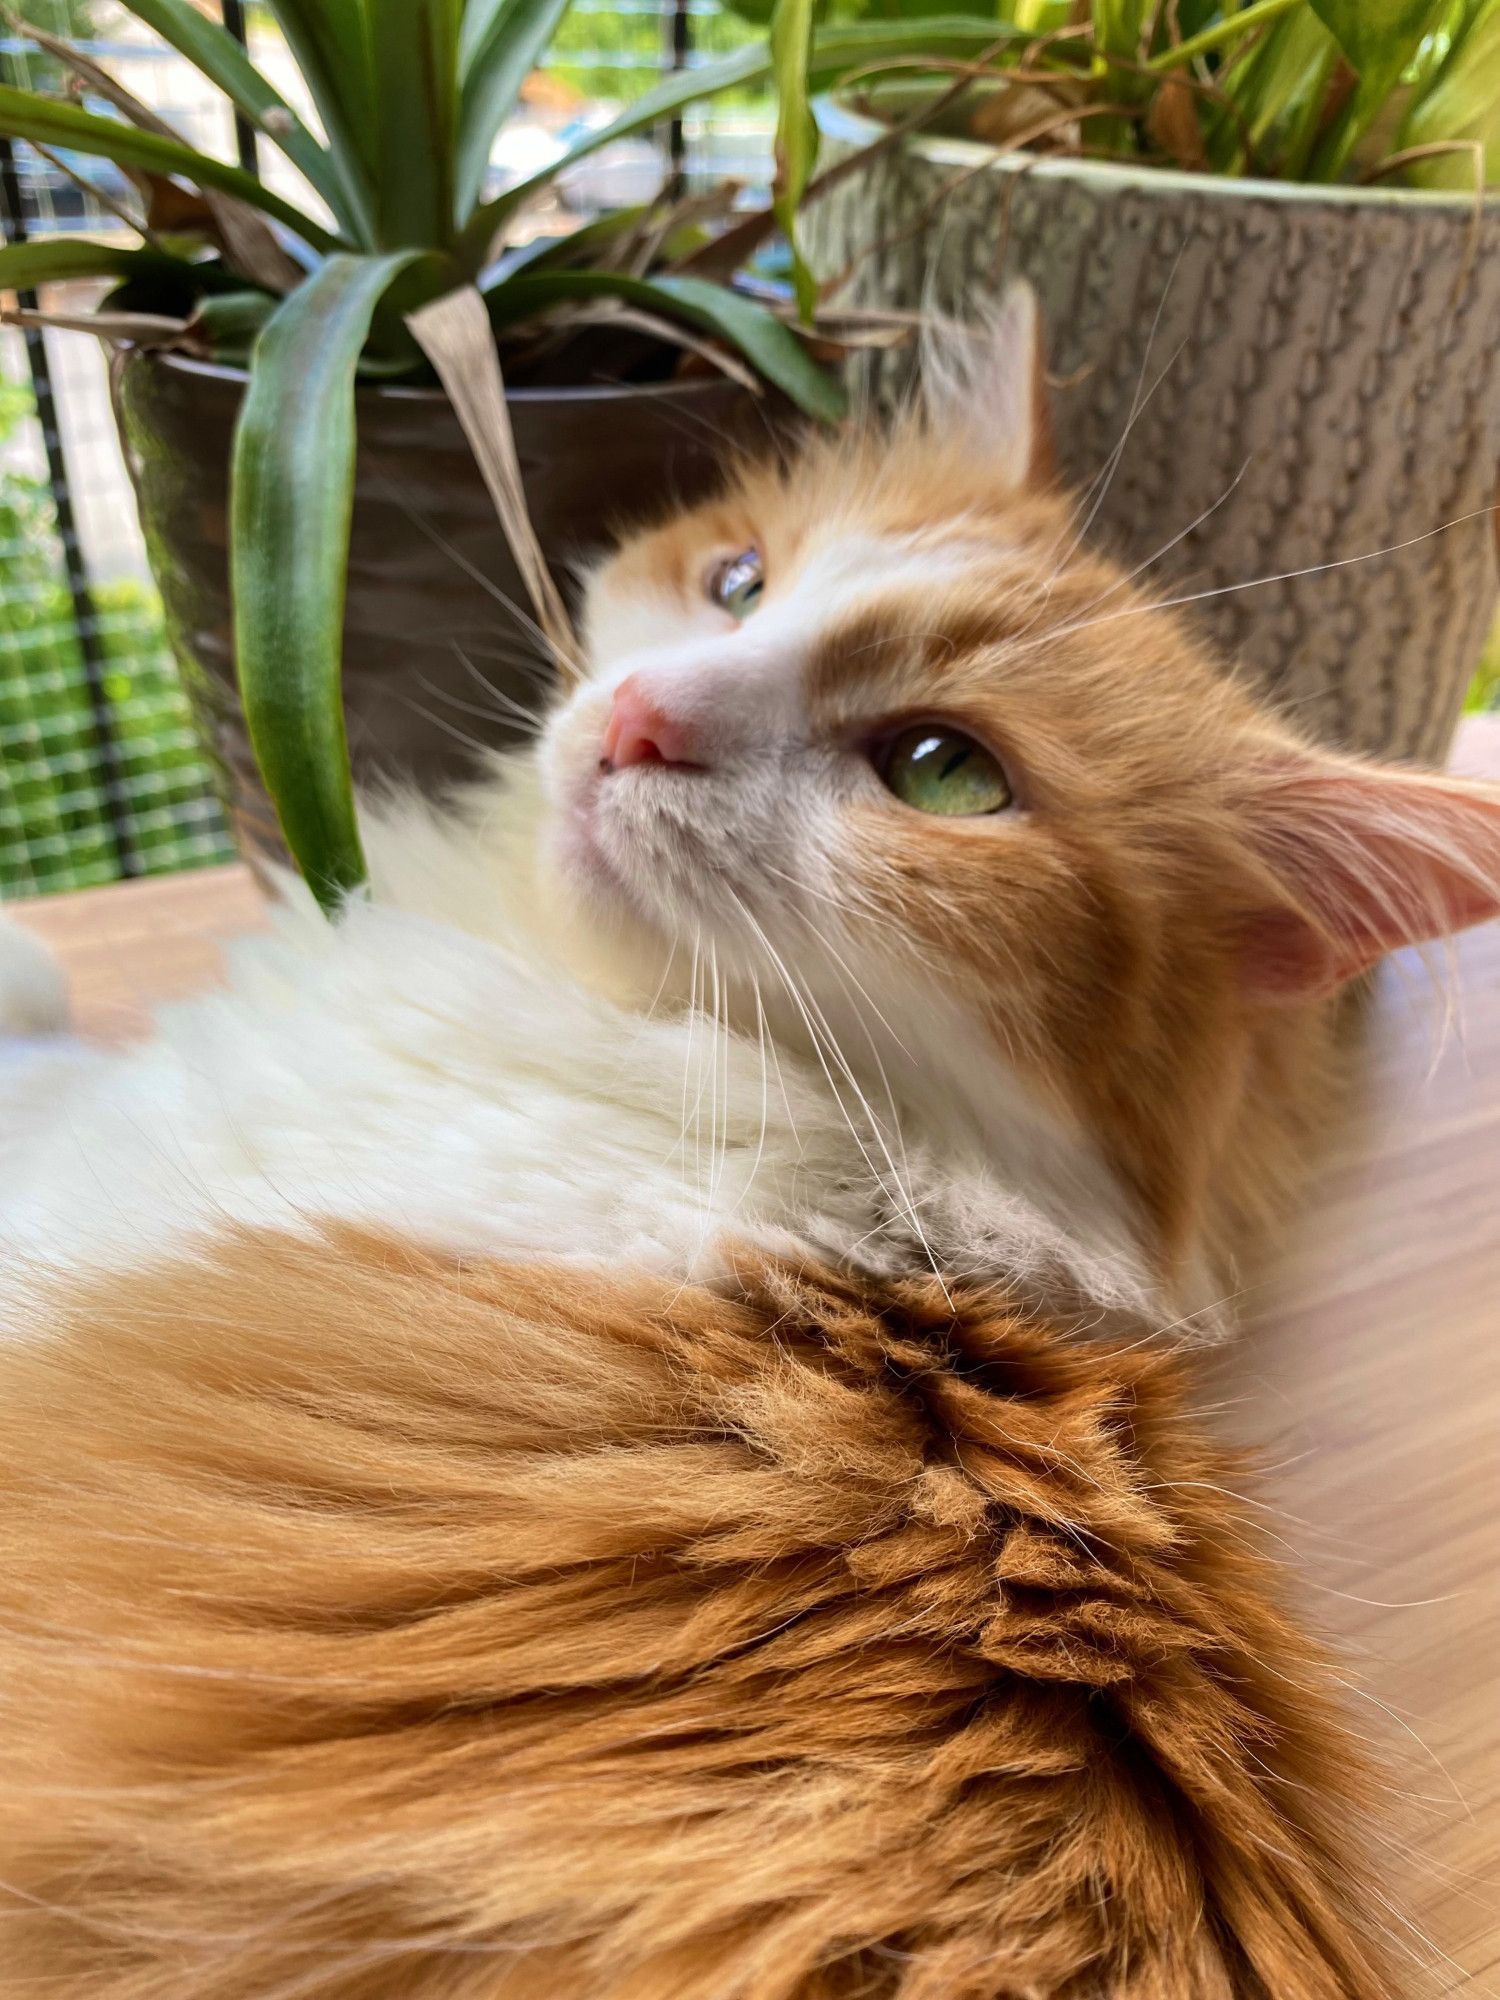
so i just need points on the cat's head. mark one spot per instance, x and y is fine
(933, 785)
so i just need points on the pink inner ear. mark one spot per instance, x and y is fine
(1284, 957)
(1376, 860)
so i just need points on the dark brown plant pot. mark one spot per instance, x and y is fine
(437, 653)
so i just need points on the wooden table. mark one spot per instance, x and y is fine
(1369, 1381)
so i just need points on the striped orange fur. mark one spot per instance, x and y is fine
(375, 1626)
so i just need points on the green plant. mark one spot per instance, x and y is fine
(1311, 90)
(315, 293)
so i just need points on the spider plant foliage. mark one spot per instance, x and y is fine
(1304, 90)
(387, 214)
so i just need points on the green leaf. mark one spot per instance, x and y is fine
(330, 45)
(503, 41)
(230, 321)
(48, 121)
(596, 239)
(414, 68)
(836, 52)
(482, 18)
(1118, 29)
(221, 59)
(769, 346)
(23, 265)
(1280, 89)
(1379, 38)
(248, 240)
(796, 133)
(1119, 26)
(1224, 32)
(292, 500)
(1461, 106)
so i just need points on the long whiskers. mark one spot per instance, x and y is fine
(826, 1045)
(500, 707)
(456, 556)
(1087, 624)
(478, 746)
(1097, 491)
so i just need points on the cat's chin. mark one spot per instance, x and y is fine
(592, 864)
(604, 848)
(585, 848)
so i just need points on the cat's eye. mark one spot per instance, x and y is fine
(738, 584)
(941, 770)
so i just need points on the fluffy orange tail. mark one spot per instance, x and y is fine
(372, 1626)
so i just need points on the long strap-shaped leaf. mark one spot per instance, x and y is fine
(796, 133)
(58, 258)
(504, 40)
(773, 348)
(250, 242)
(455, 334)
(1379, 37)
(49, 122)
(220, 58)
(414, 76)
(292, 501)
(329, 40)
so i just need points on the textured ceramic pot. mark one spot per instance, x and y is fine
(1266, 382)
(436, 662)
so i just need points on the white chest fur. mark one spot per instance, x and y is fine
(402, 1075)
(431, 1068)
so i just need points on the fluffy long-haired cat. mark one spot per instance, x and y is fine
(612, 1427)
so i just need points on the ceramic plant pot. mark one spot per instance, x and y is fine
(429, 618)
(1252, 381)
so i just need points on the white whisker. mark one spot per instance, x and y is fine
(1254, 582)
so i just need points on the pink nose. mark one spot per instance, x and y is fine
(640, 731)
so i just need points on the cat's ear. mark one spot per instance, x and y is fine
(986, 382)
(1368, 860)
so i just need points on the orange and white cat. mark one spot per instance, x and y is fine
(901, 898)
(899, 878)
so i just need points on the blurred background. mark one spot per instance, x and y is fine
(101, 775)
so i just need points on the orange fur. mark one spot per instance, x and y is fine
(1158, 935)
(378, 1628)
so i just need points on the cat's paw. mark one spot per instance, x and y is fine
(33, 992)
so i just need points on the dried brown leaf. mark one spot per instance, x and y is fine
(455, 334)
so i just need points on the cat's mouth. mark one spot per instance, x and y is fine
(637, 835)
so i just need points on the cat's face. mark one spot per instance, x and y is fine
(874, 742)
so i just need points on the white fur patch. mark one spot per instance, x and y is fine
(402, 1075)
(33, 992)
(455, 1082)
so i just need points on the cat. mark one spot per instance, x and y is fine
(606, 1426)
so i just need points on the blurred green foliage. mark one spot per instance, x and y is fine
(616, 52)
(1303, 90)
(54, 820)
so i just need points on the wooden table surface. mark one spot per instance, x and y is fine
(1369, 1380)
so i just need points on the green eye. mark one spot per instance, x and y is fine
(939, 770)
(738, 583)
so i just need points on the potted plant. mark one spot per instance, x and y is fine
(279, 357)
(1259, 232)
